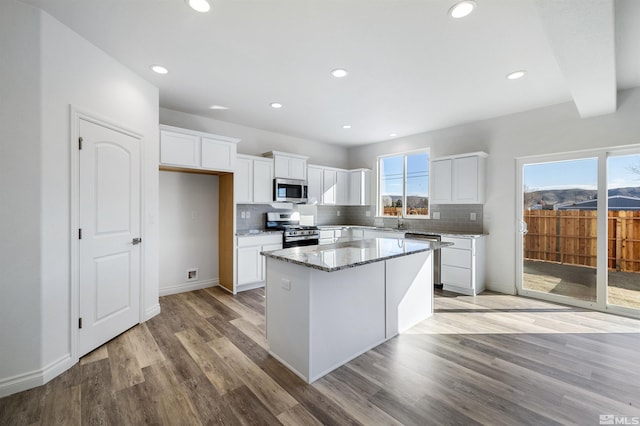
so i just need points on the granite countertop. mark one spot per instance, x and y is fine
(412, 231)
(252, 232)
(349, 254)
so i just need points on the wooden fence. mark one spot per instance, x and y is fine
(569, 236)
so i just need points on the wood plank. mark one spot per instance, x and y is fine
(276, 399)
(144, 346)
(125, 370)
(296, 416)
(98, 405)
(62, 407)
(211, 365)
(97, 354)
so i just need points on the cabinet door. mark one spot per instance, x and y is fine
(218, 155)
(441, 181)
(179, 149)
(342, 188)
(267, 247)
(465, 180)
(314, 182)
(298, 168)
(249, 265)
(263, 181)
(329, 187)
(282, 166)
(242, 180)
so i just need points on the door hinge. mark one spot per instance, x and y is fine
(80, 233)
(80, 143)
(79, 322)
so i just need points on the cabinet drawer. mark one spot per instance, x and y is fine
(453, 257)
(459, 243)
(259, 240)
(459, 277)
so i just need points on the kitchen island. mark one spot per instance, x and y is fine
(327, 304)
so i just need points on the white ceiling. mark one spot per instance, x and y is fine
(412, 67)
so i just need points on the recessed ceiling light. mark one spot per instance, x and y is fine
(199, 5)
(515, 75)
(346, 126)
(159, 69)
(276, 105)
(393, 135)
(462, 9)
(218, 107)
(339, 73)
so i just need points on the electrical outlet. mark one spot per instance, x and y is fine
(242, 215)
(473, 216)
(368, 213)
(338, 212)
(248, 214)
(286, 284)
(436, 215)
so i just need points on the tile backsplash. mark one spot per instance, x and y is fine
(453, 217)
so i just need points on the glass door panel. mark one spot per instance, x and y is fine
(623, 242)
(559, 252)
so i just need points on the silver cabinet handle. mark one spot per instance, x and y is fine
(136, 241)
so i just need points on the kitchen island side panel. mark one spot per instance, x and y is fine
(287, 314)
(347, 311)
(409, 283)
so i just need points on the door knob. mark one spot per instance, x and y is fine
(136, 241)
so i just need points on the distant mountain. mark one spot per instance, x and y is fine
(550, 197)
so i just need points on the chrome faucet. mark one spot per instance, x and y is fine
(401, 224)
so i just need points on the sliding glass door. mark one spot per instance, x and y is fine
(560, 214)
(623, 226)
(579, 229)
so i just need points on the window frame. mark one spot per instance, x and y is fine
(404, 155)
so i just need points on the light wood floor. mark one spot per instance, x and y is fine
(492, 359)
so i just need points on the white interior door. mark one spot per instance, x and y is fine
(109, 246)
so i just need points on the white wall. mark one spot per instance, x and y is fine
(188, 230)
(20, 190)
(548, 130)
(68, 71)
(256, 141)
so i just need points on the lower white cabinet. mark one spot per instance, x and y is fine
(250, 263)
(380, 233)
(463, 265)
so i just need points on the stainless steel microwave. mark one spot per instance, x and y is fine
(289, 190)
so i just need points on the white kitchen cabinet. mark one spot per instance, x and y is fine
(463, 265)
(253, 179)
(250, 263)
(382, 233)
(190, 149)
(458, 179)
(329, 186)
(289, 166)
(179, 149)
(359, 187)
(314, 184)
(342, 187)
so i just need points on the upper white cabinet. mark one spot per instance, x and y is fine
(289, 166)
(359, 187)
(458, 179)
(190, 149)
(253, 179)
(332, 186)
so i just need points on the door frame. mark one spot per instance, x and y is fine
(76, 114)
(602, 155)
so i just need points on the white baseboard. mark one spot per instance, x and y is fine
(151, 312)
(250, 286)
(188, 286)
(22, 382)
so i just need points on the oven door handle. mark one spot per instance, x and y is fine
(301, 238)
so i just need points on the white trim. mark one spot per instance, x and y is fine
(151, 312)
(25, 381)
(250, 286)
(189, 286)
(75, 115)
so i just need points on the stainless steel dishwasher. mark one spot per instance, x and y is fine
(437, 279)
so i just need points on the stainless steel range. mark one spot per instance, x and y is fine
(293, 235)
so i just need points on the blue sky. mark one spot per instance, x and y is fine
(581, 174)
(417, 171)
